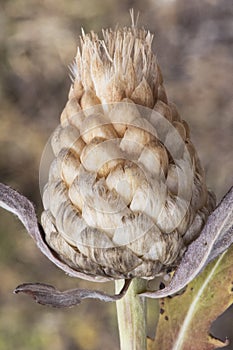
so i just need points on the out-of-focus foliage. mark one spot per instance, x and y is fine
(38, 40)
(185, 320)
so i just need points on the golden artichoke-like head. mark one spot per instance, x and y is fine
(126, 193)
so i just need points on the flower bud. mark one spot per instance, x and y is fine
(126, 193)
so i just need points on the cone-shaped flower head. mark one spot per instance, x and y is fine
(126, 193)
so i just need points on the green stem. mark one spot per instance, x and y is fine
(131, 315)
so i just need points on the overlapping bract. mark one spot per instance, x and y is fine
(126, 193)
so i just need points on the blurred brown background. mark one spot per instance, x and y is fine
(38, 39)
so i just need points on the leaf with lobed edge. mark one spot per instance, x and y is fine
(185, 320)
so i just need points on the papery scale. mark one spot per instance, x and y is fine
(95, 223)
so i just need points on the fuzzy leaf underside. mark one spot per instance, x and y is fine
(185, 320)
